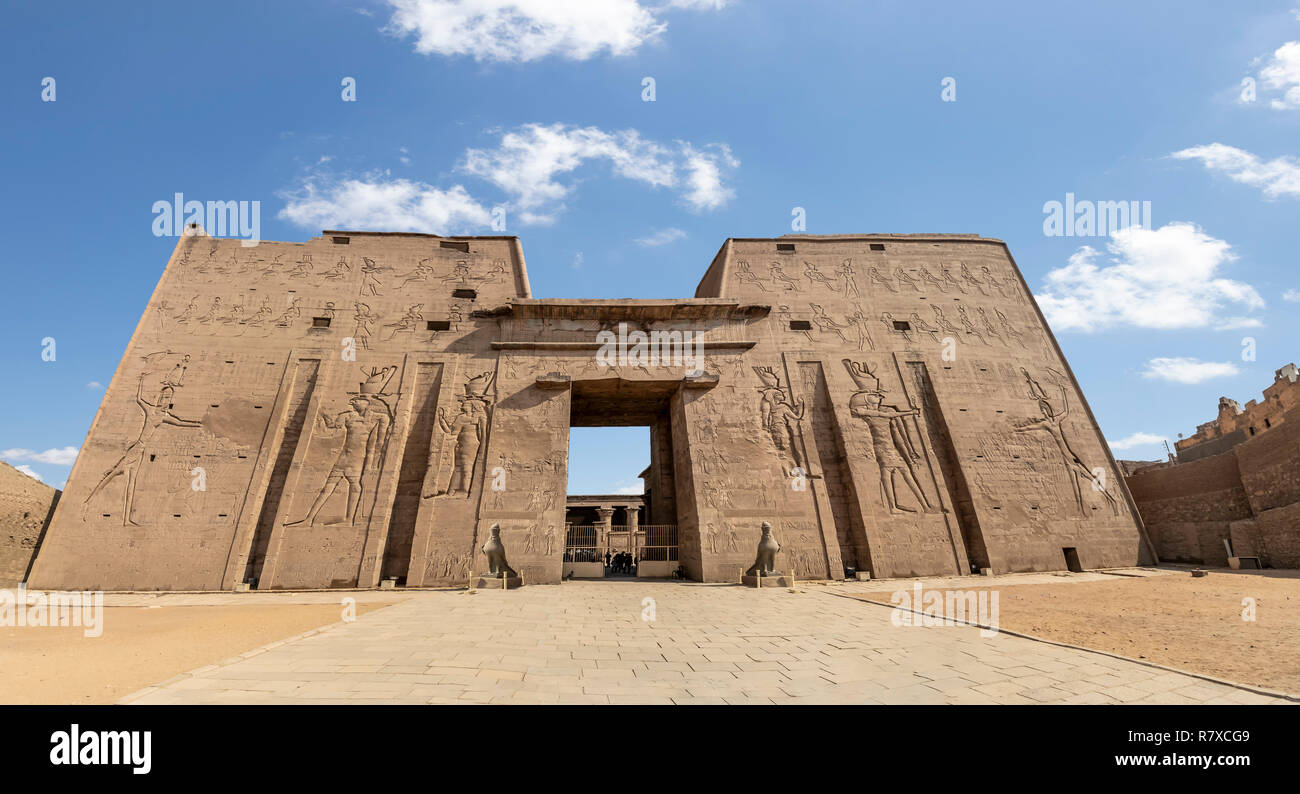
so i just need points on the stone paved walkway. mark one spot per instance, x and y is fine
(587, 642)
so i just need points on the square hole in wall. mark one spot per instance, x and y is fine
(320, 322)
(464, 293)
(342, 240)
(438, 325)
(785, 248)
(454, 245)
(800, 325)
(902, 325)
(877, 246)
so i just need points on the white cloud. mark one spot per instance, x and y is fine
(661, 237)
(528, 162)
(1292, 295)
(526, 30)
(1138, 439)
(631, 489)
(1188, 370)
(25, 469)
(378, 203)
(1277, 177)
(54, 457)
(95, 385)
(534, 165)
(1237, 323)
(1282, 73)
(1163, 278)
(705, 169)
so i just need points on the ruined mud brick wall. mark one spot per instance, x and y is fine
(365, 406)
(1235, 424)
(1249, 494)
(1188, 507)
(25, 505)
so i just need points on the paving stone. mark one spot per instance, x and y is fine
(573, 643)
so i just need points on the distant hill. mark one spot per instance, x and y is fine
(25, 507)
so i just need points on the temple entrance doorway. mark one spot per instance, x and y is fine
(620, 510)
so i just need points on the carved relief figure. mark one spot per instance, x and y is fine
(290, 314)
(423, 271)
(890, 438)
(365, 319)
(340, 269)
(845, 272)
(409, 321)
(816, 277)
(469, 430)
(825, 323)
(370, 276)
(459, 274)
(924, 327)
(746, 276)
(1051, 422)
(877, 277)
(156, 414)
(365, 425)
(970, 279)
(775, 272)
(779, 417)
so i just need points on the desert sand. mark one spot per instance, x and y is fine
(1177, 620)
(141, 646)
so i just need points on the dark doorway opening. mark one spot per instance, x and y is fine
(1072, 560)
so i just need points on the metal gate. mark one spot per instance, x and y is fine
(659, 544)
(580, 544)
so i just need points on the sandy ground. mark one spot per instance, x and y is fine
(142, 646)
(1194, 624)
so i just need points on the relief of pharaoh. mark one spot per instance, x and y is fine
(365, 425)
(890, 438)
(156, 414)
(1052, 422)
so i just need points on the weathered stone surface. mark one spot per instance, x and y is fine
(25, 505)
(890, 403)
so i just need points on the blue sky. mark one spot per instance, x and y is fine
(760, 107)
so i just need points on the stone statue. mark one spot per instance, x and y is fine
(765, 562)
(495, 551)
